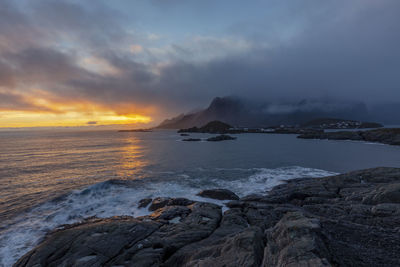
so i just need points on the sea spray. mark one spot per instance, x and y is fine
(117, 197)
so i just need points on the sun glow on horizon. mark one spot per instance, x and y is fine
(19, 119)
(46, 110)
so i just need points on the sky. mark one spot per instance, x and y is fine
(137, 62)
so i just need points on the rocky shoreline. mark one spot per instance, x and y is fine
(351, 219)
(390, 136)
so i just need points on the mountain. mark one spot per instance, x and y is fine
(222, 109)
(244, 113)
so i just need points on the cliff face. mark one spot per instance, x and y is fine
(345, 220)
(239, 112)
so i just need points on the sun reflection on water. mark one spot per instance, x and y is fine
(131, 158)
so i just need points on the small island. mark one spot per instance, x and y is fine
(191, 139)
(222, 137)
(218, 138)
(136, 131)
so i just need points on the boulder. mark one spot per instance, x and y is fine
(220, 194)
(161, 202)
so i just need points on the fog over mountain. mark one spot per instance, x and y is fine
(244, 112)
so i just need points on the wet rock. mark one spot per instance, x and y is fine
(93, 243)
(170, 212)
(180, 202)
(222, 137)
(220, 194)
(159, 202)
(144, 202)
(123, 241)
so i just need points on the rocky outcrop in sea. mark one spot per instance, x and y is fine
(390, 136)
(351, 219)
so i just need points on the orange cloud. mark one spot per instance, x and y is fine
(47, 111)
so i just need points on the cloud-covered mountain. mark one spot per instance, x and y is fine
(241, 112)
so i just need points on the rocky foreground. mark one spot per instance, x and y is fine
(346, 220)
(385, 136)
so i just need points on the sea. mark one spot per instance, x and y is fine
(49, 178)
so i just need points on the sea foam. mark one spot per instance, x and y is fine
(115, 197)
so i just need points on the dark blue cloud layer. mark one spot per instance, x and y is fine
(341, 49)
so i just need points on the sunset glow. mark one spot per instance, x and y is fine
(35, 119)
(45, 110)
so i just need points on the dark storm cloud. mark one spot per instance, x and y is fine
(93, 25)
(345, 49)
(355, 56)
(40, 65)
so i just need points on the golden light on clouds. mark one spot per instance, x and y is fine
(48, 112)
(39, 119)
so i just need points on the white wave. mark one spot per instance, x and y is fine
(265, 179)
(113, 198)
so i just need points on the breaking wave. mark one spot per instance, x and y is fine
(116, 197)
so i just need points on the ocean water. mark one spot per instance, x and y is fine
(55, 177)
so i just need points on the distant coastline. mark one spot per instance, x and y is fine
(136, 131)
